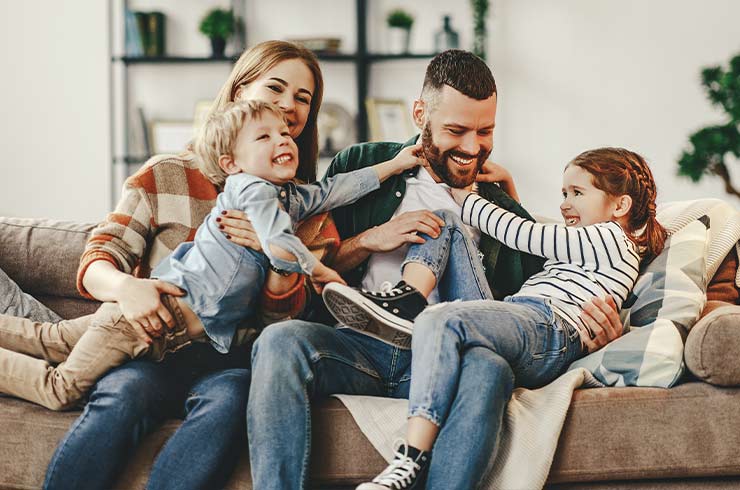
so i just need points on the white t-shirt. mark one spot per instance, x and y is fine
(422, 192)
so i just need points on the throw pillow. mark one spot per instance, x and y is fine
(665, 302)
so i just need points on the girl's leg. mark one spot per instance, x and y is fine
(452, 259)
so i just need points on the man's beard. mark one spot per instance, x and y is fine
(438, 161)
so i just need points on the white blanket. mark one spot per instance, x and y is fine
(529, 435)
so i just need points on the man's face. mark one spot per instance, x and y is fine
(457, 136)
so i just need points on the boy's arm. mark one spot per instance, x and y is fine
(274, 228)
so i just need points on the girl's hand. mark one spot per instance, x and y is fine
(140, 303)
(238, 229)
(408, 158)
(459, 195)
(495, 173)
(322, 275)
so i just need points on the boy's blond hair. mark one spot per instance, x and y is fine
(218, 135)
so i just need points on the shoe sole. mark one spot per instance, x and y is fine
(354, 310)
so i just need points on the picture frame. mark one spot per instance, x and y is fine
(170, 136)
(389, 119)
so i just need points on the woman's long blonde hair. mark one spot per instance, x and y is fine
(251, 65)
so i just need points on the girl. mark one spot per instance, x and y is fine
(610, 228)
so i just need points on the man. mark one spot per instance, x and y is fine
(295, 362)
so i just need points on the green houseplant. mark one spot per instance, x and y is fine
(710, 147)
(399, 21)
(480, 36)
(218, 25)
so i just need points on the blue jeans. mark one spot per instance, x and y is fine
(453, 259)
(196, 384)
(527, 345)
(297, 362)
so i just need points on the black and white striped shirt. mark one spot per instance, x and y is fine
(583, 262)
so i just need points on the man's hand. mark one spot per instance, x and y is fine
(237, 228)
(322, 275)
(401, 230)
(140, 303)
(602, 319)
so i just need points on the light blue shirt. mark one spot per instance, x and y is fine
(222, 280)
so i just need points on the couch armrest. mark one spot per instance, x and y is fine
(713, 345)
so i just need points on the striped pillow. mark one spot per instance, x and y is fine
(665, 302)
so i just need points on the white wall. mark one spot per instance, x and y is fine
(54, 86)
(572, 74)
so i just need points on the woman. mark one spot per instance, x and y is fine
(161, 206)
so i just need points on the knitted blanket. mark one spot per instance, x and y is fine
(529, 434)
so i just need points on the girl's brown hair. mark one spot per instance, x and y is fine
(617, 172)
(251, 65)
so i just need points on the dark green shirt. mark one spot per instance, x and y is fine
(506, 269)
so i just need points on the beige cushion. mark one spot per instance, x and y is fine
(713, 347)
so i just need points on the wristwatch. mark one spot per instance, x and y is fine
(280, 271)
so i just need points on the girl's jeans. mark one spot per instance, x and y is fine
(453, 259)
(532, 344)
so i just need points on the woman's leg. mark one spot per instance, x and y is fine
(125, 405)
(14, 302)
(203, 451)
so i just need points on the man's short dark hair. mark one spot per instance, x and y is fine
(461, 70)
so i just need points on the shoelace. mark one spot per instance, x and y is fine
(386, 290)
(400, 473)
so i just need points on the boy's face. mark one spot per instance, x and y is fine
(457, 135)
(584, 204)
(265, 149)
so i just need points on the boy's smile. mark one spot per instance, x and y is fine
(265, 149)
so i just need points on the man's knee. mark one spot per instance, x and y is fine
(284, 343)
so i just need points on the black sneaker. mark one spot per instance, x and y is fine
(393, 306)
(407, 471)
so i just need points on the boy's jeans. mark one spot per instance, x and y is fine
(454, 260)
(86, 349)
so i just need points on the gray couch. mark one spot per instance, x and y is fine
(685, 437)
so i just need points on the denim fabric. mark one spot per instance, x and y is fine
(207, 389)
(454, 260)
(14, 302)
(297, 362)
(528, 345)
(222, 279)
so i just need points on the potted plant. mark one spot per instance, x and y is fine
(218, 25)
(480, 37)
(399, 22)
(713, 147)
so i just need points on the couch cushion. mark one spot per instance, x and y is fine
(42, 255)
(665, 301)
(713, 346)
(722, 287)
(649, 433)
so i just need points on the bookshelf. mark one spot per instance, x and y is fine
(122, 159)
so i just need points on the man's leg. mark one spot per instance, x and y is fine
(124, 406)
(14, 302)
(293, 363)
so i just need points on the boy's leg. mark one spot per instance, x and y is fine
(13, 301)
(107, 343)
(453, 259)
(49, 341)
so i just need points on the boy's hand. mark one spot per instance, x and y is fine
(323, 275)
(408, 158)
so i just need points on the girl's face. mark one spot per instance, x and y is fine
(584, 204)
(290, 86)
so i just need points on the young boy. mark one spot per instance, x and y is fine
(248, 146)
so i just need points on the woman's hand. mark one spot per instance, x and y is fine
(602, 318)
(238, 229)
(322, 275)
(141, 304)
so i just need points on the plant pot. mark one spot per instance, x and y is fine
(399, 40)
(218, 45)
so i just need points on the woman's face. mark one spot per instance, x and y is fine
(290, 86)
